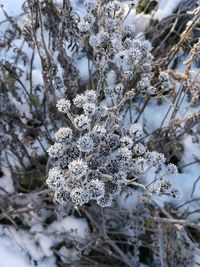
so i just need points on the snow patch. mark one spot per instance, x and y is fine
(166, 8)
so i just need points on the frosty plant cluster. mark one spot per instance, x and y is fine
(114, 46)
(97, 156)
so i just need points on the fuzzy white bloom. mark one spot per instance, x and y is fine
(113, 6)
(116, 41)
(124, 154)
(83, 26)
(134, 56)
(144, 84)
(165, 81)
(82, 122)
(172, 169)
(129, 29)
(121, 58)
(79, 101)
(102, 156)
(85, 143)
(89, 18)
(147, 67)
(79, 196)
(146, 46)
(64, 134)
(99, 130)
(165, 86)
(63, 105)
(95, 189)
(89, 109)
(154, 157)
(111, 24)
(154, 189)
(137, 44)
(94, 42)
(175, 193)
(77, 168)
(56, 180)
(91, 96)
(128, 43)
(56, 150)
(105, 201)
(165, 185)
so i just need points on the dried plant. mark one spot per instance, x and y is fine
(98, 152)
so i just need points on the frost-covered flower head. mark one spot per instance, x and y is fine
(56, 180)
(77, 168)
(84, 26)
(82, 122)
(79, 100)
(172, 169)
(63, 105)
(56, 150)
(64, 134)
(89, 109)
(85, 143)
(79, 196)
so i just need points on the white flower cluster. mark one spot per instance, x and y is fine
(116, 43)
(96, 159)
